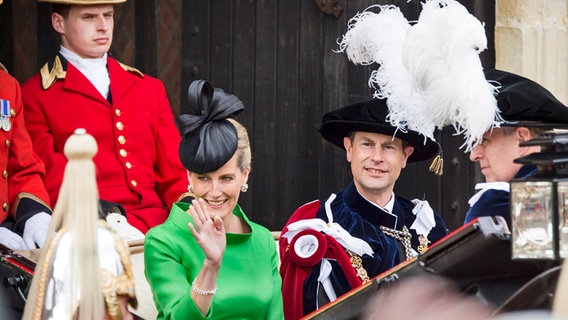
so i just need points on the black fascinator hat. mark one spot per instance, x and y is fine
(208, 140)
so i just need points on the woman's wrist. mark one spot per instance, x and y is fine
(212, 265)
(203, 292)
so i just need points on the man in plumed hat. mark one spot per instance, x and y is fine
(527, 109)
(330, 247)
(24, 212)
(126, 111)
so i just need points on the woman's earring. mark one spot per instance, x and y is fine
(244, 187)
(190, 188)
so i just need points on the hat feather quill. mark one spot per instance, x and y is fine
(378, 37)
(431, 74)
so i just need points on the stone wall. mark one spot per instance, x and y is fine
(531, 40)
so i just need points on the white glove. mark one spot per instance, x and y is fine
(35, 230)
(124, 229)
(11, 239)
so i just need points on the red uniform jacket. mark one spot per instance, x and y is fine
(137, 162)
(21, 171)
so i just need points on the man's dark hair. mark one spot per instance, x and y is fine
(61, 9)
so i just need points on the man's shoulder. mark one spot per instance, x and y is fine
(50, 72)
(128, 68)
(7, 78)
(491, 198)
(305, 211)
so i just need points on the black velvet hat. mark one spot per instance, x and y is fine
(209, 140)
(525, 103)
(370, 116)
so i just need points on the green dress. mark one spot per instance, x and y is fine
(249, 284)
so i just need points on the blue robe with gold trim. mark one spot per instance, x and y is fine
(361, 219)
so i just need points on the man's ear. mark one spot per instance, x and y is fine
(58, 23)
(523, 134)
(348, 146)
(407, 151)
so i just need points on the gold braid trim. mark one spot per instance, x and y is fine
(109, 285)
(48, 77)
(131, 69)
(125, 281)
(423, 246)
(403, 236)
(357, 264)
(49, 251)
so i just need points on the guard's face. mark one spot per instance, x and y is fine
(221, 188)
(87, 31)
(496, 153)
(376, 162)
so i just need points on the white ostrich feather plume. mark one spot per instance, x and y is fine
(379, 38)
(430, 72)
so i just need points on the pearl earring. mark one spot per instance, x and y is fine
(244, 187)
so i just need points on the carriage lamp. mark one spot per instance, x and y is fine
(539, 204)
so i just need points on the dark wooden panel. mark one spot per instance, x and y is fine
(6, 36)
(48, 40)
(264, 176)
(309, 110)
(333, 169)
(168, 48)
(221, 51)
(242, 79)
(128, 30)
(145, 35)
(24, 39)
(194, 45)
(277, 57)
(287, 92)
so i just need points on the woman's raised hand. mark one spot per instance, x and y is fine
(208, 231)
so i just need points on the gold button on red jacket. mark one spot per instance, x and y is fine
(60, 99)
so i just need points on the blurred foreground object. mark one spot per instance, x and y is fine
(425, 298)
(476, 259)
(84, 270)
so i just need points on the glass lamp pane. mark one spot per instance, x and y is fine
(532, 220)
(563, 217)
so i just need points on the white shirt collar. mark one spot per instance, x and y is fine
(388, 207)
(93, 69)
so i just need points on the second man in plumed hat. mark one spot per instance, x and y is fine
(527, 109)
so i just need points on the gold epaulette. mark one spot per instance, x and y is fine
(3, 68)
(48, 77)
(131, 69)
